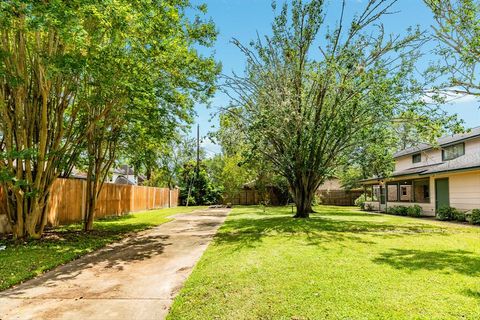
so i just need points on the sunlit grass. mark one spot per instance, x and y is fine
(21, 261)
(340, 264)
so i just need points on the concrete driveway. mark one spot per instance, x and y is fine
(136, 278)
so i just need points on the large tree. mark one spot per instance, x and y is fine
(309, 97)
(155, 74)
(457, 29)
(76, 77)
(42, 56)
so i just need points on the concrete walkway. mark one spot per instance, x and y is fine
(136, 278)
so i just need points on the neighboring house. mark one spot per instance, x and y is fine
(78, 174)
(448, 175)
(331, 192)
(126, 175)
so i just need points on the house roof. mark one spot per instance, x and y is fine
(123, 180)
(442, 142)
(466, 162)
(124, 169)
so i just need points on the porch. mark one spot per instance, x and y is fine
(382, 194)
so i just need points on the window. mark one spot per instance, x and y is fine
(416, 158)
(392, 192)
(406, 192)
(452, 152)
(375, 192)
(421, 191)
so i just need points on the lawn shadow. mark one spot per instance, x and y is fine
(448, 261)
(472, 293)
(251, 230)
(141, 246)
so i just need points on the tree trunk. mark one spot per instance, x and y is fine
(92, 181)
(149, 173)
(90, 210)
(27, 216)
(101, 149)
(303, 201)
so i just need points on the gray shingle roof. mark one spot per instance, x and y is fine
(468, 161)
(442, 142)
(415, 170)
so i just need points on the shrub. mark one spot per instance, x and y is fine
(317, 200)
(460, 216)
(398, 210)
(368, 207)
(446, 213)
(475, 216)
(191, 201)
(414, 211)
(360, 201)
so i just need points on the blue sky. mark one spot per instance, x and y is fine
(242, 19)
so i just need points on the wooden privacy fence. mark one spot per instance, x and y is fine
(252, 197)
(339, 197)
(68, 196)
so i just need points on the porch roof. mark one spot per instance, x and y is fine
(415, 170)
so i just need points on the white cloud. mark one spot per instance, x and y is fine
(452, 98)
(462, 98)
(211, 149)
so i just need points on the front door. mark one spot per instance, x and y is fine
(441, 193)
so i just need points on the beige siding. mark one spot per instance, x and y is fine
(464, 189)
(472, 146)
(428, 157)
(373, 204)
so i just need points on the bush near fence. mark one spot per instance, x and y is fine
(68, 197)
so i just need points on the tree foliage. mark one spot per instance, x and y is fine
(81, 80)
(304, 108)
(197, 186)
(457, 30)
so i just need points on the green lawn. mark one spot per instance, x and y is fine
(340, 264)
(24, 261)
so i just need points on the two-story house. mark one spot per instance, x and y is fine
(447, 175)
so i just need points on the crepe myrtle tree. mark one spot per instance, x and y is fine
(147, 73)
(308, 97)
(74, 74)
(42, 55)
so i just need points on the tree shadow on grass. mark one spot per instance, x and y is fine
(248, 232)
(472, 293)
(448, 261)
(141, 246)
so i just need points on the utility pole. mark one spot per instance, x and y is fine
(197, 169)
(198, 150)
